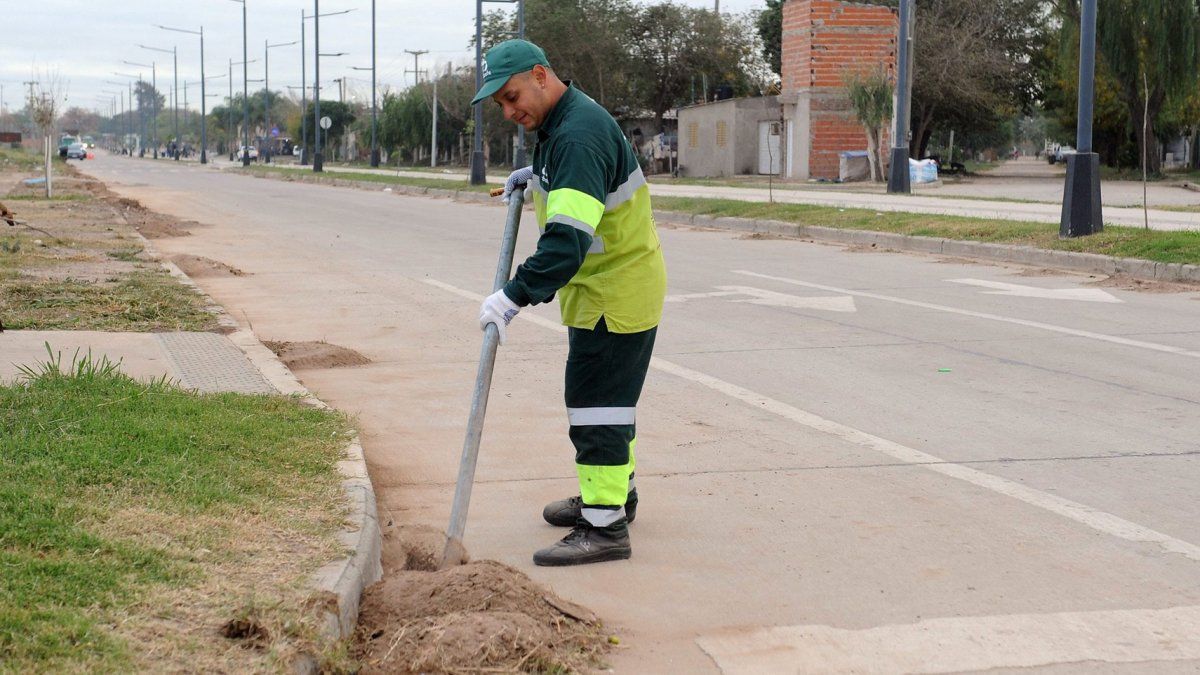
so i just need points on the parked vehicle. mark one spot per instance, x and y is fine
(77, 151)
(248, 151)
(64, 143)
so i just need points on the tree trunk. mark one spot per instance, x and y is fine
(924, 124)
(1147, 143)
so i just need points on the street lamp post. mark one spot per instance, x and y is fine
(478, 170)
(307, 155)
(1081, 209)
(175, 85)
(203, 98)
(245, 90)
(125, 122)
(267, 88)
(898, 178)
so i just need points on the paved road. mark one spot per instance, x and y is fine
(849, 462)
(1025, 193)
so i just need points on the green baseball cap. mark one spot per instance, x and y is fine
(505, 60)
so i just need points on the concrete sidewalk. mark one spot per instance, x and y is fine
(206, 362)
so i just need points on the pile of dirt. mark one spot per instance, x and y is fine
(313, 355)
(480, 617)
(150, 224)
(198, 267)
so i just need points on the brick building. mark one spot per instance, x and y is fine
(822, 39)
(810, 122)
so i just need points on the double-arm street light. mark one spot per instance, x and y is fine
(174, 97)
(318, 159)
(267, 88)
(153, 101)
(305, 153)
(203, 106)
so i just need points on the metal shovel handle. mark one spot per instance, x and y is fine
(455, 553)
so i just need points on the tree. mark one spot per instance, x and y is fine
(341, 116)
(973, 64)
(870, 96)
(600, 64)
(1149, 45)
(769, 25)
(673, 46)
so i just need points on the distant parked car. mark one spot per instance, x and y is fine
(296, 150)
(77, 151)
(248, 151)
(1059, 153)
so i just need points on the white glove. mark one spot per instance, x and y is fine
(497, 308)
(520, 177)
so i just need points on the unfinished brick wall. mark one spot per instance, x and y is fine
(821, 40)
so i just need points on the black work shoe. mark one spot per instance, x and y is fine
(567, 512)
(586, 544)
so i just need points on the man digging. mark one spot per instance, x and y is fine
(600, 253)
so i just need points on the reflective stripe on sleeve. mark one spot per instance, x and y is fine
(578, 206)
(597, 245)
(590, 417)
(625, 192)
(573, 222)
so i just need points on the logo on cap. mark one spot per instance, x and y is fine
(487, 71)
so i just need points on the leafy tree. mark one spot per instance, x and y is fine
(870, 96)
(672, 45)
(1150, 46)
(600, 65)
(769, 25)
(341, 116)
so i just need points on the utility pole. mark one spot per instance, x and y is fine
(318, 160)
(304, 151)
(898, 178)
(416, 71)
(1081, 209)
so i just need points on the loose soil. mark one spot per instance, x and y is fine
(1127, 283)
(315, 355)
(481, 616)
(200, 267)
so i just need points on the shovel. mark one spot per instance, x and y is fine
(455, 553)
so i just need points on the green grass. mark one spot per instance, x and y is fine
(82, 444)
(58, 197)
(1125, 242)
(382, 178)
(145, 300)
(18, 159)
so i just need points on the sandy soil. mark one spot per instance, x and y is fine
(313, 355)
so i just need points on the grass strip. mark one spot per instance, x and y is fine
(145, 300)
(365, 177)
(104, 485)
(1123, 242)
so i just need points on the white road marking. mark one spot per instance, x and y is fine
(1153, 346)
(1096, 519)
(698, 296)
(966, 644)
(759, 296)
(1002, 288)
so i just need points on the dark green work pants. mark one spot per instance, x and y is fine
(605, 373)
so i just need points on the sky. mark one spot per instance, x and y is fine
(85, 43)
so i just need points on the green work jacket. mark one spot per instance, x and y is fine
(598, 248)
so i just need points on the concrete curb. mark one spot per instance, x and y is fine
(1025, 255)
(342, 580)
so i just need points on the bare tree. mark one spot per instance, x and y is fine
(43, 109)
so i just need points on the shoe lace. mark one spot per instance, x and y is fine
(578, 532)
